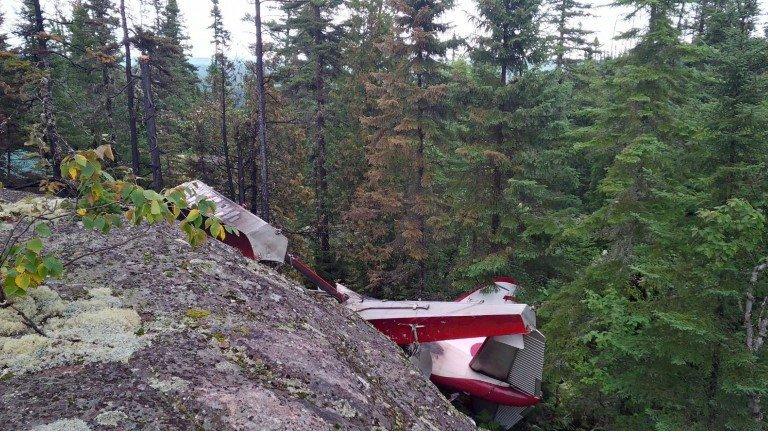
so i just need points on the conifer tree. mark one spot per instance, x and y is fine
(570, 36)
(312, 44)
(510, 168)
(394, 204)
(130, 92)
(18, 87)
(636, 246)
(178, 80)
(92, 49)
(221, 68)
(260, 202)
(734, 162)
(32, 29)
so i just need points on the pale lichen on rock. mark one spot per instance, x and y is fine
(170, 385)
(35, 206)
(80, 331)
(40, 304)
(64, 425)
(110, 418)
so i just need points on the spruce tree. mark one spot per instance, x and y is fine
(130, 93)
(221, 69)
(37, 43)
(393, 206)
(570, 36)
(733, 164)
(93, 49)
(312, 54)
(643, 321)
(18, 89)
(510, 170)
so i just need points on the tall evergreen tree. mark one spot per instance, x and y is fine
(130, 92)
(18, 90)
(221, 68)
(393, 206)
(313, 40)
(262, 201)
(639, 308)
(32, 29)
(510, 169)
(570, 36)
(93, 50)
(734, 162)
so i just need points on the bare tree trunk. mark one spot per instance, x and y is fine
(150, 122)
(202, 144)
(701, 19)
(255, 198)
(261, 126)
(680, 17)
(714, 380)
(46, 92)
(106, 81)
(240, 176)
(130, 94)
(224, 143)
(321, 180)
(7, 147)
(559, 59)
(756, 329)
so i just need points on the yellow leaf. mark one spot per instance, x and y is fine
(129, 214)
(81, 212)
(22, 280)
(193, 214)
(72, 172)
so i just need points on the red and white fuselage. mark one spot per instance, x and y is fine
(484, 344)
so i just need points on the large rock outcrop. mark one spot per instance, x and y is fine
(157, 335)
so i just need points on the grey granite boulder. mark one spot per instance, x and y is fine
(156, 335)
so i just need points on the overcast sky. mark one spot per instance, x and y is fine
(606, 21)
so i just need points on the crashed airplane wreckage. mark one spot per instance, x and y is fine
(483, 344)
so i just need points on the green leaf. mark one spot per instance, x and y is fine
(88, 171)
(54, 265)
(35, 245)
(43, 230)
(100, 223)
(152, 195)
(11, 289)
(193, 214)
(137, 197)
(156, 207)
(88, 222)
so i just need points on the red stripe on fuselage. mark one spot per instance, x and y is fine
(485, 390)
(431, 329)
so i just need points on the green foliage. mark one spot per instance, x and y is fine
(626, 192)
(26, 266)
(102, 203)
